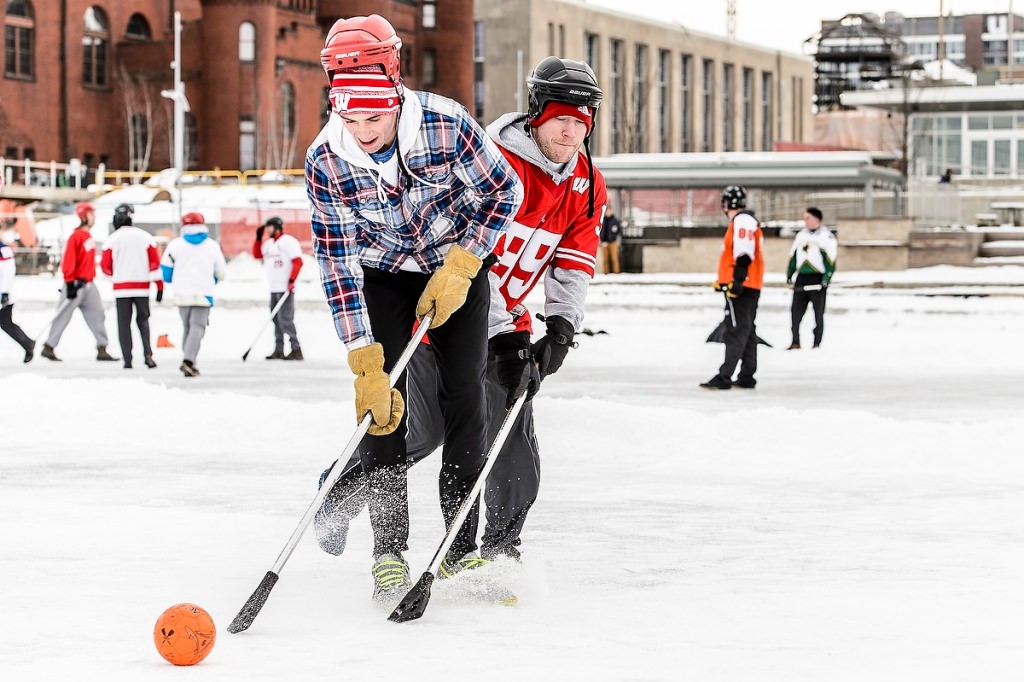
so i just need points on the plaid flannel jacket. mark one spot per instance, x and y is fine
(463, 192)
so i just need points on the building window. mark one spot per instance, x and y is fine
(287, 110)
(798, 109)
(95, 40)
(767, 112)
(686, 103)
(618, 91)
(246, 143)
(138, 28)
(664, 110)
(138, 142)
(707, 104)
(429, 14)
(728, 107)
(478, 69)
(429, 66)
(247, 42)
(591, 49)
(748, 110)
(641, 95)
(191, 143)
(19, 35)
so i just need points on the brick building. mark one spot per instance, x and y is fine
(82, 78)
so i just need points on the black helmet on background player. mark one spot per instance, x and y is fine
(275, 224)
(563, 80)
(123, 215)
(734, 196)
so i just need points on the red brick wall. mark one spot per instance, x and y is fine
(218, 87)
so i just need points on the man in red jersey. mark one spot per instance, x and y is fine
(555, 235)
(79, 268)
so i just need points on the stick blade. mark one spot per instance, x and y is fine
(252, 607)
(245, 356)
(414, 603)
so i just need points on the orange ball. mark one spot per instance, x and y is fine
(184, 634)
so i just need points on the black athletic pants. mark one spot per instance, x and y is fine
(125, 307)
(460, 348)
(741, 337)
(801, 297)
(13, 330)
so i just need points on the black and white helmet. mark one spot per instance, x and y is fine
(563, 80)
(123, 215)
(734, 196)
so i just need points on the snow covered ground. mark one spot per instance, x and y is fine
(859, 516)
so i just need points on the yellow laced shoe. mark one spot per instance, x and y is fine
(391, 580)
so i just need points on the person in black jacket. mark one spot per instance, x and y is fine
(611, 238)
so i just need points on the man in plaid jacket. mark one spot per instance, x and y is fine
(408, 197)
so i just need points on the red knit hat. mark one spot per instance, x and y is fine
(556, 109)
(364, 90)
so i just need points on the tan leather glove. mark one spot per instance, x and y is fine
(373, 391)
(447, 287)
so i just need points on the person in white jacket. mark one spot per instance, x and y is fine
(193, 263)
(131, 260)
(282, 260)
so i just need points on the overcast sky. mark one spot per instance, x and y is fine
(785, 25)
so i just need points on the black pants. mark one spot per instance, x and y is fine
(801, 297)
(125, 307)
(13, 330)
(460, 348)
(741, 337)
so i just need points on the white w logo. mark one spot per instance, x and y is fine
(580, 185)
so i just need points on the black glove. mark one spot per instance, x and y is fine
(550, 351)
(259, 232)
(71, 289)
(511, 352)
(159, 295)
(3, 299)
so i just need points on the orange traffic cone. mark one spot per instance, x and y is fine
(163, 342)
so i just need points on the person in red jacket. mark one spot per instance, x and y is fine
(740, 276)
(79, 293)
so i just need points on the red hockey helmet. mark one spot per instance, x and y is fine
(193, 219)
(360, 41)
(83, 210)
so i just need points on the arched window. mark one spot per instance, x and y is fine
(287, 110)
(95, 42)
(19, 39)
(247, 42)
(138, 28)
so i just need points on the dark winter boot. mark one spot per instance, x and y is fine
(745, 383)
(717, 382)
(276, 355)
(296, 354)
(49, 354)
(188, 369)
(30, 352)
(128, 363)
(103, 356)
(794, 346)
(150, 362)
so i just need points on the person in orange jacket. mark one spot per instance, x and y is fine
(740, 276)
